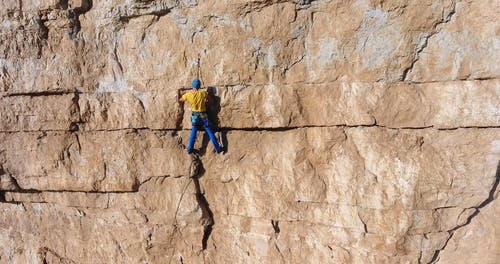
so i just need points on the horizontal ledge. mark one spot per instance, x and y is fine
(250, 129)
(42, 93)
(76, 91)
(41, 191)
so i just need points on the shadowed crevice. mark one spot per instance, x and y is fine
(276, 227)
(425, 43)
(196, 170)
(48, 255)
(491, 198)
(207, 216)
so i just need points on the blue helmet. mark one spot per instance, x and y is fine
(196, 83)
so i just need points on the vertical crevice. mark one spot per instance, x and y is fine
(425, 41)
(7, 183)
(73, 14)
(451, 232)
(276, 226)
(196, 170)
(76, 109)
(2, 192)
(54, 256)
(180, 109)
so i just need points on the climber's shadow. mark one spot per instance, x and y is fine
(213, 110)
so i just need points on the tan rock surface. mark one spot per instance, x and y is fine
(357, 131)
(464, 48)
(478, 242)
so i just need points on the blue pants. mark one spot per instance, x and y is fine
(198, 120)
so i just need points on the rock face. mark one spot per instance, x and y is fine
(357, 131)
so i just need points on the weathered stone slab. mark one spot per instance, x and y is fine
(441, 105)
(98, 161)
(35, 113)
(466, 47)
(346, 102)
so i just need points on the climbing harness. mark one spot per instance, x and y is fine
(196, 117)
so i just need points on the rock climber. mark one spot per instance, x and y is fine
(197, 99)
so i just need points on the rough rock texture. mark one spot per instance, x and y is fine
(357, 131)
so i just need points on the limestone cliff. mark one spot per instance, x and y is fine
(357, 131)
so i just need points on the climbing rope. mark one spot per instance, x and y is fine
(194, 171)
(198, 64)
(198, 70)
